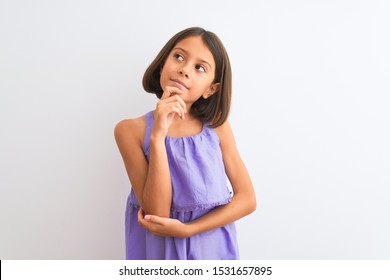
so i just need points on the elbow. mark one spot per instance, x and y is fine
(163, 213)
(156, 207)
(251, 205)
(248, 203)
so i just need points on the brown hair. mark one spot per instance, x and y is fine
(215, 109)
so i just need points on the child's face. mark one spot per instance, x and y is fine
(190, 67)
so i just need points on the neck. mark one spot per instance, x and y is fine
(189, 126)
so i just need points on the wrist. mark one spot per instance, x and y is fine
(189, 230)
(157, 139)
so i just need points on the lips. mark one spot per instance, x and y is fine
(180, 84)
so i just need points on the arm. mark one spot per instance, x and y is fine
(142, 176)
(157, 193)
(242, 204)
(151, 181)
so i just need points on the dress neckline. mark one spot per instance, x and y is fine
(183, 137)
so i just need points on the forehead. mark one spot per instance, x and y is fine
(195, 47)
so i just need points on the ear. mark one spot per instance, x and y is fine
(211, 90)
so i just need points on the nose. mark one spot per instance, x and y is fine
(183, 72)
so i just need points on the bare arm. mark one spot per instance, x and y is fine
(150, 181)
(242, 204)
(157, 193)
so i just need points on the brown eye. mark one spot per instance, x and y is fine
(200, 68)
(179, 57)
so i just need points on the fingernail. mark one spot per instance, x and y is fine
(147, 217)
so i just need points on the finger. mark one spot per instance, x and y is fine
(181, 102)
(178, 101)
(173, 98)
(178, 107)
(140, 215)
(167, 107)
(154, 219)
(169, 91)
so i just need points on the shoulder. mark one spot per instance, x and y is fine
(129, 130)
(225, 132)
(226, 138)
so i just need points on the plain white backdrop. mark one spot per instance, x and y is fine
(310, 113)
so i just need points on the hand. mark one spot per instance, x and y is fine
(163, 226)
(169, 106)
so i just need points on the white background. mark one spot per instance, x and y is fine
(310, 113)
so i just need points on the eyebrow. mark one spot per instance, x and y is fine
(201, 60)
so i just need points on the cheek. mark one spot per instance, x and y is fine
(163, 73)
(168, 66)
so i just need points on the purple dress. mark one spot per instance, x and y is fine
(199, 185)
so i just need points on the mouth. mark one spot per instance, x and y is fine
(180, 84)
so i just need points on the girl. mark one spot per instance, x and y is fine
(177, 157)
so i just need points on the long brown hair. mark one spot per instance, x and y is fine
(215, 109)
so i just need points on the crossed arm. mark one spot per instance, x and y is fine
(152, 185)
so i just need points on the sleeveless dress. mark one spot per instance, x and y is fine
(199, 185)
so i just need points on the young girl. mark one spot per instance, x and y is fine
(179, 156)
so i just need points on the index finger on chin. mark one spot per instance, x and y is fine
(169, 91)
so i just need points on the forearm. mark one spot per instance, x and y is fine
(157, 192)
(240, 206)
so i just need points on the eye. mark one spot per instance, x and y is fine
(200, 68)
(179, 57)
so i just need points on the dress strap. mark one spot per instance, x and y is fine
(148, 131)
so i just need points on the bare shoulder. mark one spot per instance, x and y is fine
(130, 130)
(225, 132)
(226, 137)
